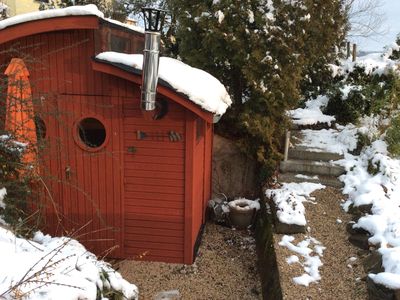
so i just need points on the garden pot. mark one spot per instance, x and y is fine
(241, 212)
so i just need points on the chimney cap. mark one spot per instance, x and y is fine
(153, 18)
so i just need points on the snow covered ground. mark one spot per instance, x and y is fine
(289, 200)
(371, 178)
(381, 189)
(310, 251)
(55, 268)
(312, 113)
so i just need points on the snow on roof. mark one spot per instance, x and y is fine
(84, 10)
(199, 86)
(129, 26)
(90, 9)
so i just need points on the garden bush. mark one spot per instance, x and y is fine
(14, 212)
(362, 94)
(393, 137)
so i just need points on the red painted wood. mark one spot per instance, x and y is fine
(150, 211)
(189, 187)
(158, 238)
(152, 232)
(152, 199)
(154, 182)
(153, 224)
(198, 178)
(208, 146)
(154, 152)
(156, 159)
(155, 203)
(108, 69)
(48, 25)
(153, 254)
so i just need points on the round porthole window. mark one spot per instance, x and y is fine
(92, 132)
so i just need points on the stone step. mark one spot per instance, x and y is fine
(325, 180)
(317, 126)
(311, 167)
(304, 153)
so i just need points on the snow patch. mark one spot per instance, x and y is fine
(244, 204)
(3, 193)
(71, 272)
(312, 113)
(373, 64)
(340, 140)
(374, 178)
(90, 9)
(311, 252)
(220, 16)
(289, 201)
(302, 176)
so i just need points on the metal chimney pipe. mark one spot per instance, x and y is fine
(153, 22)
(151, 57)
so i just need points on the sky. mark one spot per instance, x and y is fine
(390, 27)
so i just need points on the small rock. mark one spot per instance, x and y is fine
(351, 230)
(360, 240)
(378, 291)
(168, 295)
(373, 263)
(338, 221)
(352, 259)
(282, 228)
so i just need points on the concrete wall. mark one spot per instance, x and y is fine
(18, 7)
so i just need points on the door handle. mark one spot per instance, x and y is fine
(68, 172)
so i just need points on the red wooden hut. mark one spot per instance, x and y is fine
(115, 178)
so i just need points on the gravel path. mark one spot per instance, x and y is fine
(224, 269)
(341, 278)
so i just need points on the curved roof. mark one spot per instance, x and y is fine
(73, 17)
(198, 86)
(213, 100)
(135, 75)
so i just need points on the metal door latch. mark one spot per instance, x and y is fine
(68, 172)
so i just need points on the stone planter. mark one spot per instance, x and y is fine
(242, 212)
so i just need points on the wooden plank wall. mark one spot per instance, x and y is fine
(64, 83)
(198, 178)
(149, 204)
(154, 184)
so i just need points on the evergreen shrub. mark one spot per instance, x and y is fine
(393, 137)
(18, 187)
(368, 94)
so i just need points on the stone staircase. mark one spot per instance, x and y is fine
(309, 165)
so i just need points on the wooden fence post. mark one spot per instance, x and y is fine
(287, 144)
(348, 49)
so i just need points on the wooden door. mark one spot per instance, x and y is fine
(90, 199)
